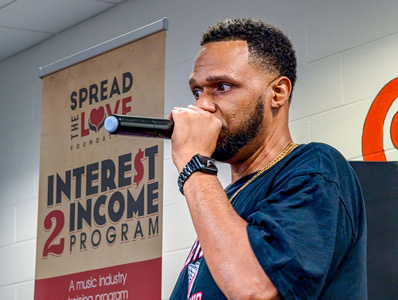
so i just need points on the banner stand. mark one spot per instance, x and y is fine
(99, 233)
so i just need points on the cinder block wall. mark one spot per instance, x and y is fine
(347, 52)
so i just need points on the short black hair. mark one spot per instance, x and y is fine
(269, 48)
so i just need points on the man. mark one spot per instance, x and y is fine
(291, 224)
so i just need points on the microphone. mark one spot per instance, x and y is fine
(139, 126)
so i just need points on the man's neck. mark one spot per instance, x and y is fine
(259, 158)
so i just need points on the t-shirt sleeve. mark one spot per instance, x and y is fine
(293, 232)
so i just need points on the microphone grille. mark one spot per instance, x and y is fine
(111, 124)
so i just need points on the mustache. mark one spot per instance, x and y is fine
(224, 132)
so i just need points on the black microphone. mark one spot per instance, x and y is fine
(139, 126)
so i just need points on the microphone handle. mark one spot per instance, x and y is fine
(139, 126)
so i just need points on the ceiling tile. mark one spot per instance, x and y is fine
(15, 40)
(50, 16)
(112, 1)
(4, 3)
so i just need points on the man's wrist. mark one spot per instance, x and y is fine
(197, 163)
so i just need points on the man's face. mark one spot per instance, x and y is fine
(225, 84)
(231, 142)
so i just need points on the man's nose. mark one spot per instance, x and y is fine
(206, 102)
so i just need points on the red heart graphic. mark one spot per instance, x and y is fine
(97, 116)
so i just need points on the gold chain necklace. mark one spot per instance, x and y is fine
(278, 158)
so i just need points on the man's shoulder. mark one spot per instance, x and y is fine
(323, 160)
(317, 159)
(314, 157)
(318, 151)
(320, 154)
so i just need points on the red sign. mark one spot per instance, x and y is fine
(140, 281)
(372, 138)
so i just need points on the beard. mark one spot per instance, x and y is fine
(247, 130)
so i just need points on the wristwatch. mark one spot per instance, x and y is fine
(197, 163)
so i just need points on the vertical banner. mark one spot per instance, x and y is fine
(100, 195)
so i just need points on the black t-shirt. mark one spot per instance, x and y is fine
(306, 226)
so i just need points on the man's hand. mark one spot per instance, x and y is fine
(195, 131)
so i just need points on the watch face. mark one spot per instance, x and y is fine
(207, 163)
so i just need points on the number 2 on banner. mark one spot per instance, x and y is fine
(49, 246)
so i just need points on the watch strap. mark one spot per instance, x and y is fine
(197, 163)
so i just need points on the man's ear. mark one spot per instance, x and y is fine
(281, 89)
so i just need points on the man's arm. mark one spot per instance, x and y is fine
(224, 240)
(221, 231)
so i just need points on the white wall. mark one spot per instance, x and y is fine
(347, 51)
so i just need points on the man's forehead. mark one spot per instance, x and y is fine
(229, 59)
(224, 49)
(221, 57)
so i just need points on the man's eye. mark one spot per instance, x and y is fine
(197, 93)
(223, 87)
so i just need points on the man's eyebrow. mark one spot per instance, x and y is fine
(214, 78)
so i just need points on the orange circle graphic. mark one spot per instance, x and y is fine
(372, 137)
(394, 130)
